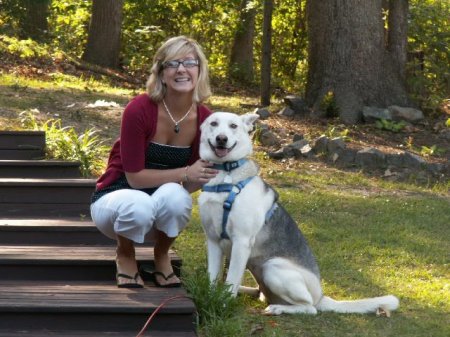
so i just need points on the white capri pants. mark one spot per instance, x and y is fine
(133, 213)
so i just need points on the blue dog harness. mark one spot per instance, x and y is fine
(233, 190)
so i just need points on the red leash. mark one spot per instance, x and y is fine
(140, 334)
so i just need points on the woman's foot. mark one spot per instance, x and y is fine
(164, 275)
(127, 270)
(127, 273)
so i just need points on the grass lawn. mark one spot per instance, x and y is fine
(371, 237)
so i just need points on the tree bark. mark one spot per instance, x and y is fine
(241, 58)
(266, 53)
(103, 46)
(398, 33)
(34, 24)
(348, 58)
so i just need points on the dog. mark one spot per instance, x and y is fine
(244, 221)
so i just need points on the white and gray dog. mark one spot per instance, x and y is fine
(243, 221)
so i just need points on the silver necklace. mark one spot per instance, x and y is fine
(177, 127)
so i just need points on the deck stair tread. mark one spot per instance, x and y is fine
(85, 333)
(79, 254)
(64, 182)
(89, 296)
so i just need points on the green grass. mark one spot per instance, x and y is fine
(370, 236)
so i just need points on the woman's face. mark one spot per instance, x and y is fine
(181, 75)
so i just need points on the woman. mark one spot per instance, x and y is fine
(155, 164)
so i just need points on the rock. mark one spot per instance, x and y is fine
(371, 114)
(297, 104)
(344, 157)
(395, 159)
(370, 158)
(287, 112)
(268, 138)
(414, 161)
(262, 112)
(297, 137)
(307, 151)
(294, 149)
(408, 114)
(276, 154)
(320, 144)
(335, 144)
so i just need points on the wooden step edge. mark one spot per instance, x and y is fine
(22, 132)
(86, 333)
(65, 224)
(36, 182)
(39, 162)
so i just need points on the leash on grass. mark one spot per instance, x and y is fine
(163, 303)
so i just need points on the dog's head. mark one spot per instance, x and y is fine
(226, 137)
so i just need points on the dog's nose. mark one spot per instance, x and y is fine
(221, 140)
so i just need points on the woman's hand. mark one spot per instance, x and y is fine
(200, 172)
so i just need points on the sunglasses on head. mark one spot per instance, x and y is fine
(189, 63)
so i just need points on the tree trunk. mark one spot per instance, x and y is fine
(348, 58)
(398, 34)
(103, 46)
(34, 24)
(241, 59)
(266, 53)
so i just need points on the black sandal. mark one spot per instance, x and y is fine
(168, 277)
(134, 284)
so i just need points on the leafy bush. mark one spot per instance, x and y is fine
(64, 143)
(22, 48)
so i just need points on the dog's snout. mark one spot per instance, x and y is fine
(221, 139)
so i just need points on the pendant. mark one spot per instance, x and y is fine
(176, 128)
(227, 179)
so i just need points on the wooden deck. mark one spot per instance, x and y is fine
(58, 270)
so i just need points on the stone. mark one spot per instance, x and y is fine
(276, 154)
(263, 113)
(268, 138)
(370, 158)
(404, 113)
(320, 144)
(414, 161)
(372, 114)
(335, 144)
(287, 112)
(297, 104)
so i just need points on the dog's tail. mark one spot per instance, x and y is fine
(362, 306)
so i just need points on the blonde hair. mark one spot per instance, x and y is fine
(173, 49)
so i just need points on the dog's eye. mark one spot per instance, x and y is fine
(233, 126)
(214, 124)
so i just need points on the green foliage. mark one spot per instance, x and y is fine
(334, 132)
(433, 150)
(22, 48)
(447, 123)
(428, 37)
(219, 312)
(64, 143)
(385, 124)
(329, 105)
(69, 24)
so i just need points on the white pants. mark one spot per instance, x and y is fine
(133, 213)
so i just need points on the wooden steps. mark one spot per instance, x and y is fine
(39, 169)
(45, 197)
(22, 145)
(57, 270)
(67, 231)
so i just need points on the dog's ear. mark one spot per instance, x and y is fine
(249, 120)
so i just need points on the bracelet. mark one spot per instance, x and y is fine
(185, 176)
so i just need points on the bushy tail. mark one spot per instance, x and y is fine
(362, 306)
